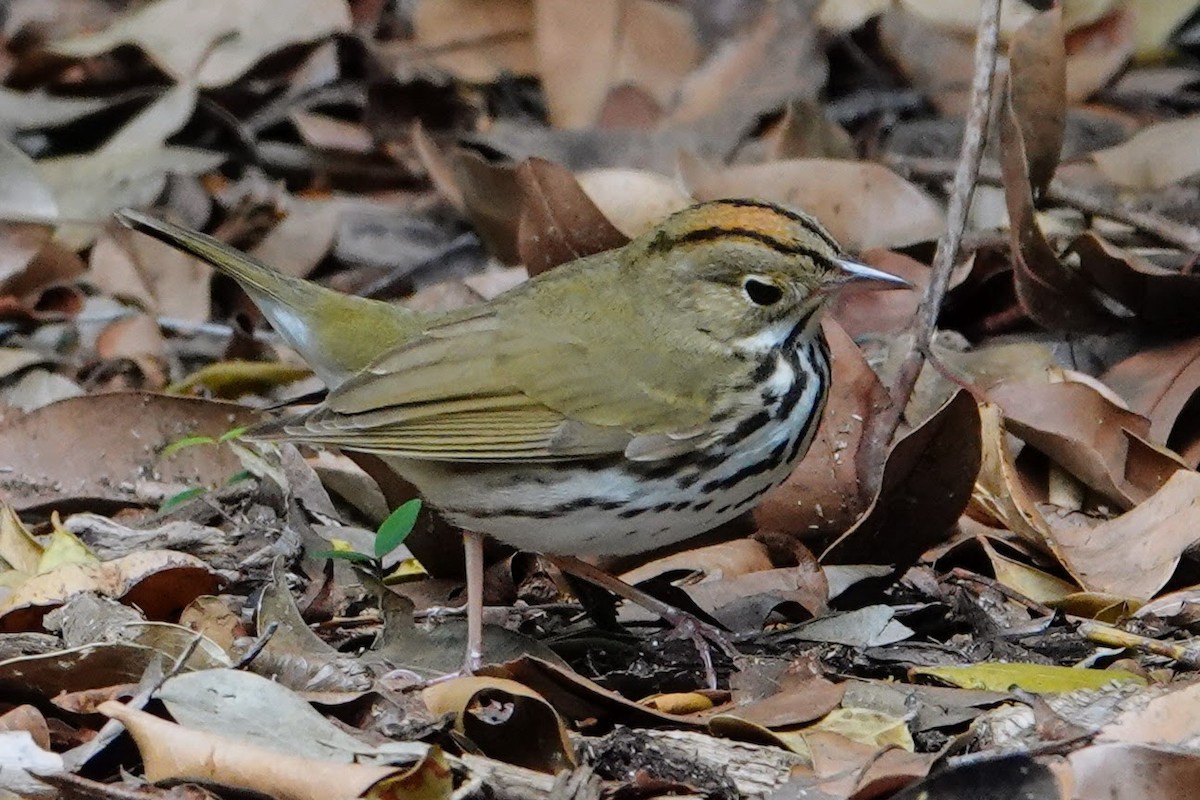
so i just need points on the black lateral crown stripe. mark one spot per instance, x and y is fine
(716, 232)
(803, 221)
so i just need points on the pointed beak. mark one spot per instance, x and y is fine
(853, 272)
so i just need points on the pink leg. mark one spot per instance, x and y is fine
(473, 547)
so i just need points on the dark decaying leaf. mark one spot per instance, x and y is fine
(558, 221)
(1037, 91)
(1162, 299)
(1051, 292)
(926, 484)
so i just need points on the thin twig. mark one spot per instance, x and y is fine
(1166, 230)
(257, 646)
(986, 44)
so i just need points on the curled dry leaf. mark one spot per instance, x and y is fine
(53, 451)
(1119, 556)
(926, 484)
(505, 719)
(824, 493)
(1037, 93)
(1051, 292)
(558, 221)
(1084, 432)
(159, 582)
(1159, 383)
(1161, 299)
(215, 42)
(862, 204)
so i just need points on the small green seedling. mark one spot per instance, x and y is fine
(390, 535)
(195, 441)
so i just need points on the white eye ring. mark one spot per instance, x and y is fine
(761, 291)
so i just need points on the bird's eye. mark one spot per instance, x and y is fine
(762, 293)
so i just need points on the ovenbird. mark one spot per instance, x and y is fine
(613, 405)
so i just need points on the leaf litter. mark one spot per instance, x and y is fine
(1028, 537)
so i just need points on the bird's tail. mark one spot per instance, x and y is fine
(337, 334)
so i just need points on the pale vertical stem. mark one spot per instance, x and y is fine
(969, 158)
(473, 550)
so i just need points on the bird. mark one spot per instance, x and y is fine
(618, 403)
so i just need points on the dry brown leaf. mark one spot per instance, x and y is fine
(938, 61)
(1159, 383)
(585, 50)
(1119, 556)
(803, 695)
(161, 279)
(1000, 498)
(806, 132)
(824, 495)
(1085, 433)
(576, 698)
(1037, 93)
(926, 484)
(633, 200)
(1051, 292)
(54, 451)
(1172, 718)
(779, 57)
(1161, 299)
(723, 560)
(1097, 52)
(23, 196)
(492, 200)
(558, 221)
(863, 205)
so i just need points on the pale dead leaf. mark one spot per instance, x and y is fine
(213, 42)
(1155, 157)
(633, 200)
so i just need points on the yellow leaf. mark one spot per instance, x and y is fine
(64, 548)
(678, 702)
(18, 548)
(1040, 678)
(232, 379)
